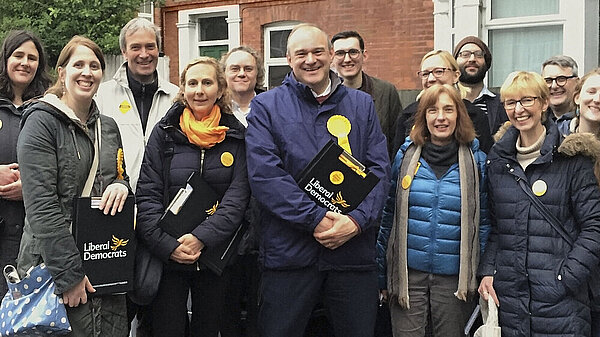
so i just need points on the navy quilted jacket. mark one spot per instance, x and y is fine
(540, 280)
(231, 181)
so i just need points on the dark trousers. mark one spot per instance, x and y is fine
(289, 296)
(169, 308)
(241, 294)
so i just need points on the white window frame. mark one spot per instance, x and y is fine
(188, 30)
(579, 19)
(147, 16)
(274, 61)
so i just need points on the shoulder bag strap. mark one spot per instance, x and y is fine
(554, 222)
(89, 183)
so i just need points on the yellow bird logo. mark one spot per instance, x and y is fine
(339, 200)
(213, 209)
(118, 243)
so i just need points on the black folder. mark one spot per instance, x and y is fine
(336, 180)
(106, 244)
(189, 207)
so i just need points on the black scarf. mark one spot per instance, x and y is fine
(440, 158)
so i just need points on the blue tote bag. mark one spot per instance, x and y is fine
(30, 306)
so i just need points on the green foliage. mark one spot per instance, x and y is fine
(56, 21)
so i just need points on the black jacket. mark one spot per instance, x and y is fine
(540, 281)
(12, 213)
(230, 181)
(480, 122)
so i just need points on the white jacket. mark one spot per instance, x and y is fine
(115, 99)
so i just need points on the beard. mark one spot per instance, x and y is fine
(472, 79)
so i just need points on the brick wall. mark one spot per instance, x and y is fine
(397, 33)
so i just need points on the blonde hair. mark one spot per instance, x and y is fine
(518, 82)
(451, 63)
(223, 101)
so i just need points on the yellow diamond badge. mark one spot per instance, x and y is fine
(124, 107)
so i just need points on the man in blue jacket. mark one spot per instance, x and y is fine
(308, 253)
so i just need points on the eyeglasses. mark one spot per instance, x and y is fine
(437, 73)
(560, 80)
(526, 101)
(466, 54)
(353, 53)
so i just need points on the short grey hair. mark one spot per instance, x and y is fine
(562, 61)
(133, 26)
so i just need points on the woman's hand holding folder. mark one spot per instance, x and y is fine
(189, 249)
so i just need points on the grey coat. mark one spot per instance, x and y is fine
(55, 155)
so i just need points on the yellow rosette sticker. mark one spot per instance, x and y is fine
(120, 160)
(124, 107)
(539, 188)
(336, 177)
(340, 126)
(227, 159)
(0, 124)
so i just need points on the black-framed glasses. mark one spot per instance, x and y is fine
(560, 80)
(525, 102)
(437, 72)
(466, 54)
(353, 53)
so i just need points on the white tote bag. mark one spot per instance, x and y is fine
(489, 312)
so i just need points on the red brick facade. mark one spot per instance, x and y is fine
(397, 33)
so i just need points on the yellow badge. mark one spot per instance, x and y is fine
(227, 159)
(124, 106)
(340, 126)
(336, 177)
(406, 181)
(539, 188)
(0, 124)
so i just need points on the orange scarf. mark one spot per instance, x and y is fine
(206, 132)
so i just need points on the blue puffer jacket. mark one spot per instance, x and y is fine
(230, 181)
(541, 282)
(286, 128)
(433, 240)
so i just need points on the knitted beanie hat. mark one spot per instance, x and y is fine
(475, 40)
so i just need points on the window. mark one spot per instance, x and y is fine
(507, 46)
(276, 67)
(209, 31)
(515, 26)
(213, 35)
(147, 10)
(521, 34)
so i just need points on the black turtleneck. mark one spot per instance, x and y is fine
(143, 94)
(440, 158)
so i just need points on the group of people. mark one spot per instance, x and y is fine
(456, 214)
